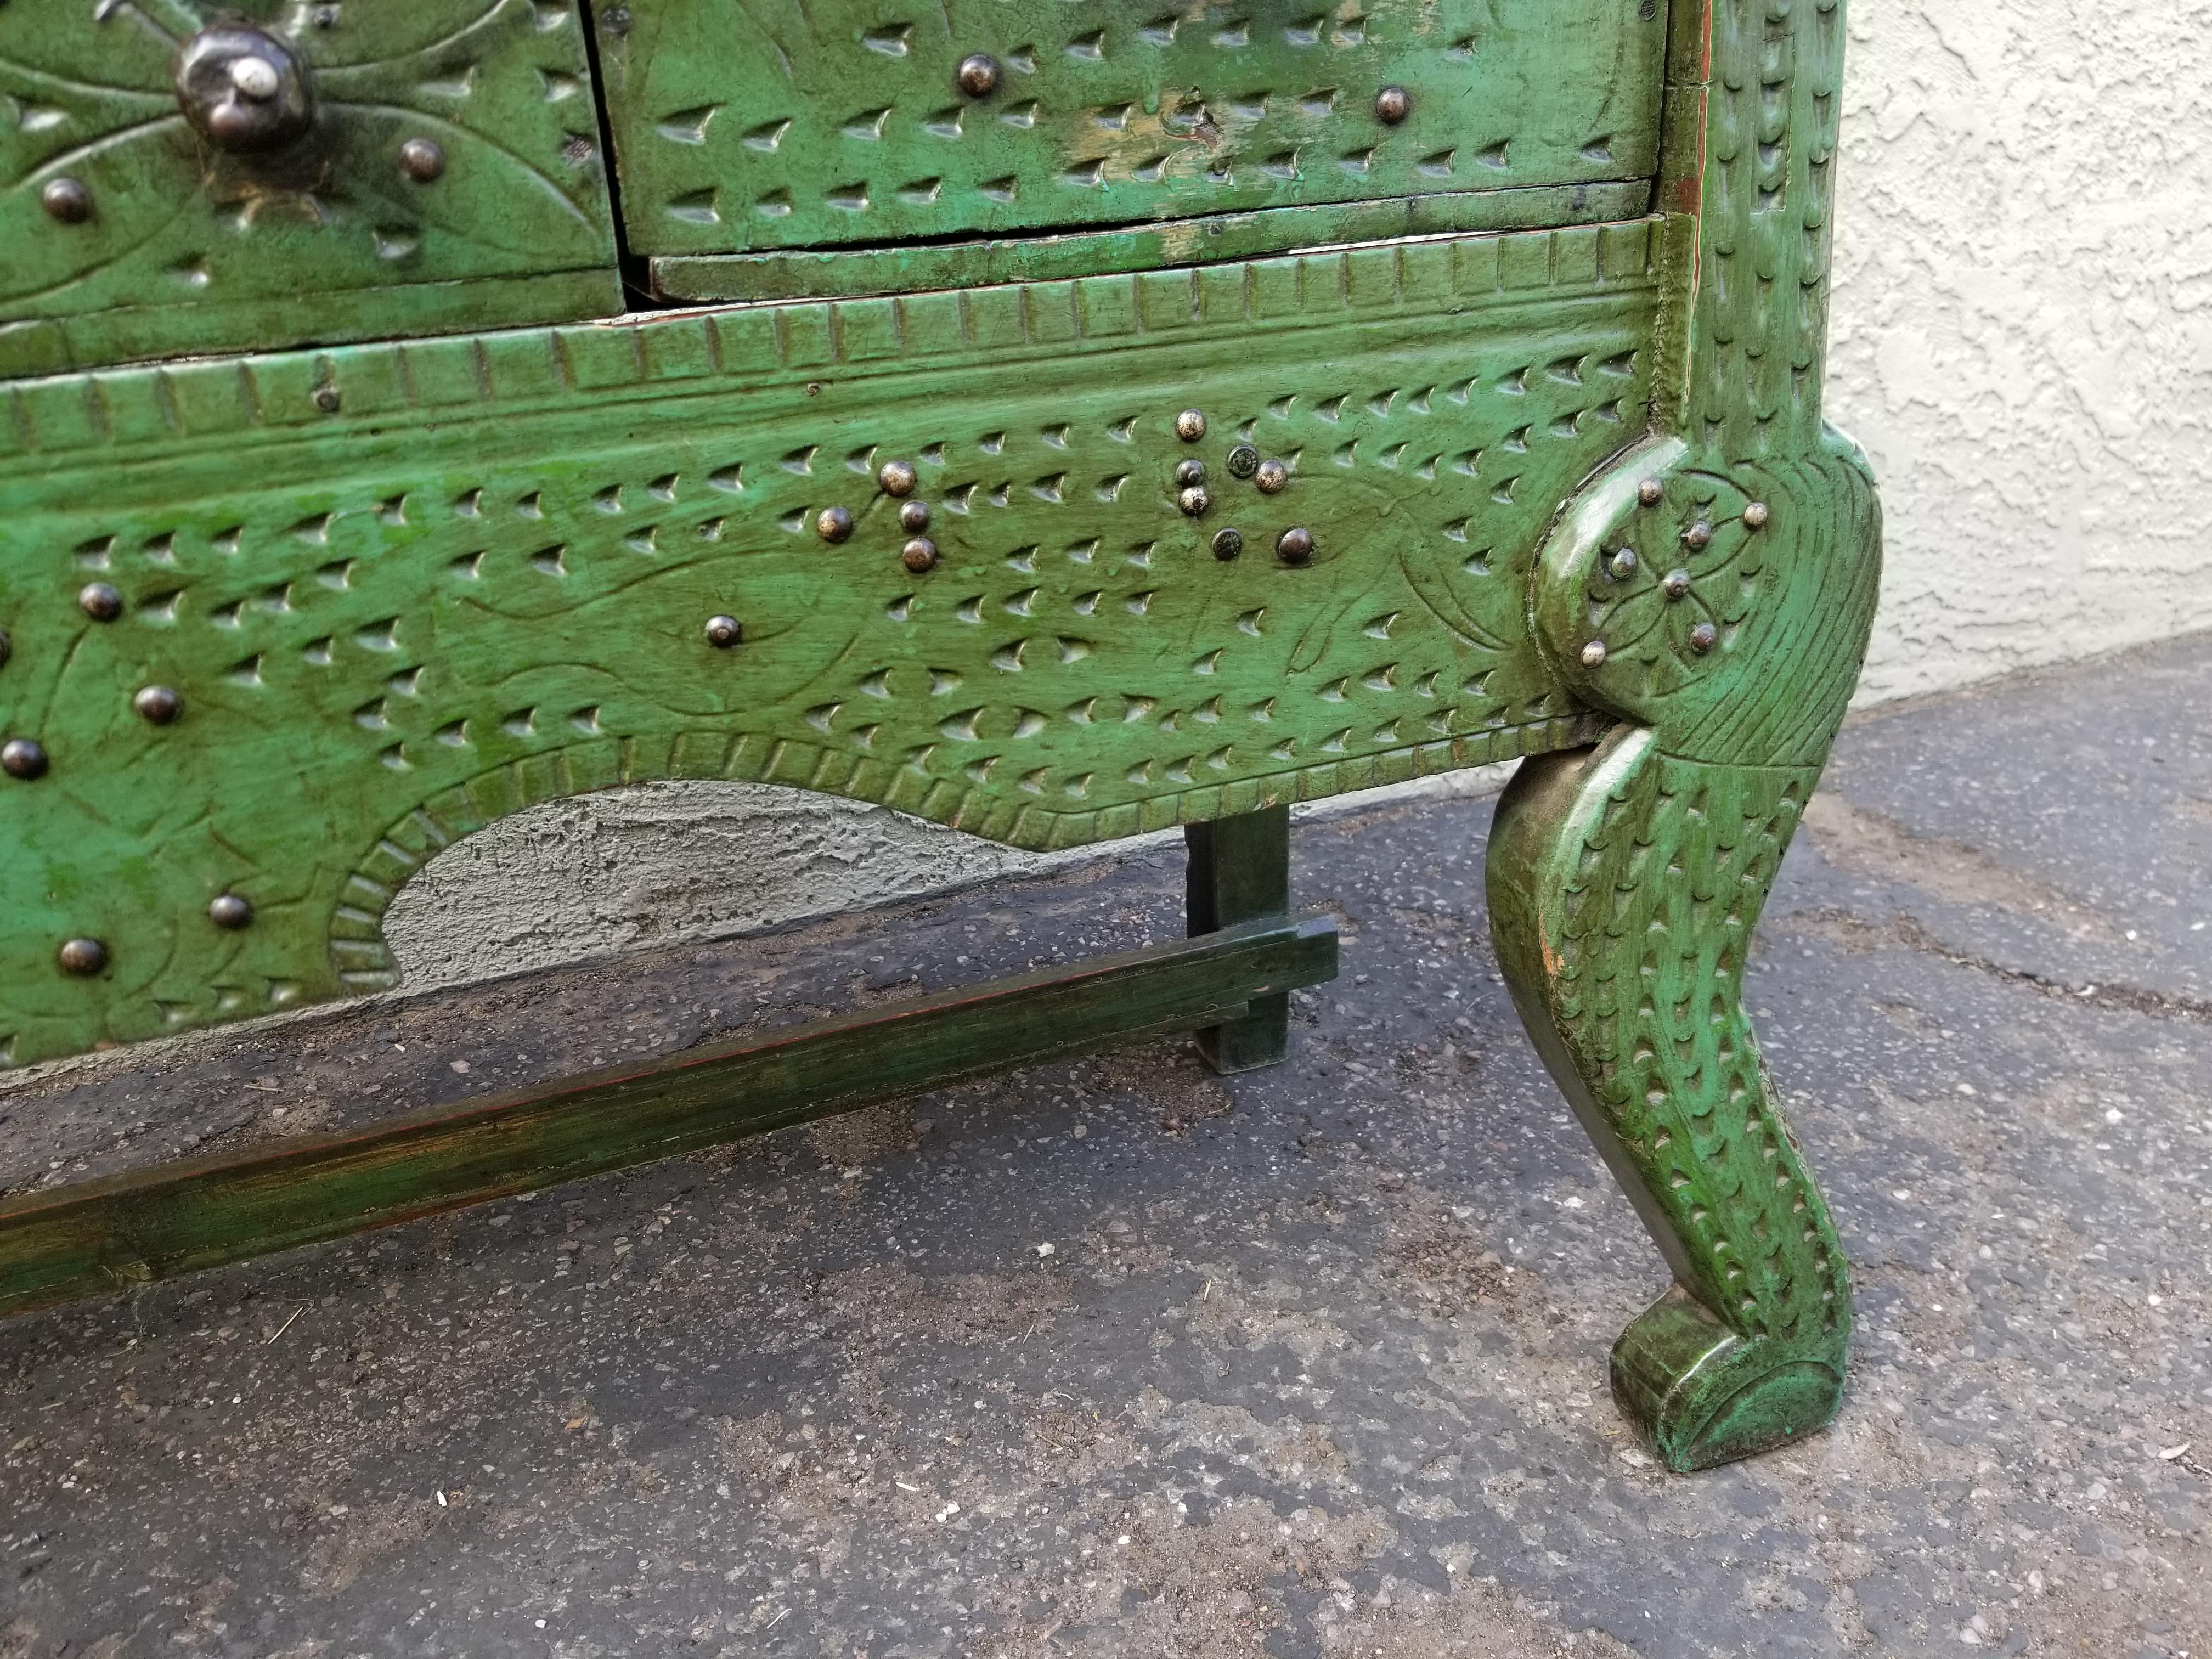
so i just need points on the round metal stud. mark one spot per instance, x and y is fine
(1243, 461)
(1698, 534)
(1703, 637)
(1195, 501)
(1754, 515)
(723, 632)
(23, 758)
(157, 705)
(913, 516)
(1295, 545)
(1393, 105)
(1651, 492)
(231, 910)
(422, 160)
(1189, 471)
(101, 601)
(896, 477)
(919, 555)
(1190, 425)
(244, 89)
(1272, 476)
(1677, 583)
(326, 399)
(67, 200)
(833, 523)
(82, 956)
(979, 75)
(1594, 654)
(1624, 564)
(1227, 544)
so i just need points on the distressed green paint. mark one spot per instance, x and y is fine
(1571, 491)
(188, 249)
(840, 122)
(483, 582)
(1239, 871)
(796, 273)
(1625, 880)
(152, 1224)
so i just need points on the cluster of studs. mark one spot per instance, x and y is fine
(897, 479)
(1295, 546)
(1676, 584)
(25, 760)
(244, 91)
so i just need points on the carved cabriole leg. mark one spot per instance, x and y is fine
(1625, 883)
(1240, 871)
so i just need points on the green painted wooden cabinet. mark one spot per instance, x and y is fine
(1111, 416)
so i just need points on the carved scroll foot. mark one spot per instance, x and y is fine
(1722, 613)
(1624, 886)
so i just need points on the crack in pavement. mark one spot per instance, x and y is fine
(1855, 933)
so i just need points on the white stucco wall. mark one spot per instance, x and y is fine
(2022, 329)
(2023, 340)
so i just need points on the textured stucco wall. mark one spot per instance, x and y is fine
(2023, 340)
(2021, 330)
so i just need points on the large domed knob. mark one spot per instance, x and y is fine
(244, 90)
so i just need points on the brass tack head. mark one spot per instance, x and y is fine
(23, 758)
(833, 523)
(100, 601)
(1677, 583)
(913, 515)
(66, 200)
(979, 75)
(1295, 545)
(1228, 543)
(326, 399)
(1624, 564)
(422, 160)
(1243, 461)
(1189, 471)
(1393, 105)
(896, 477)
(1699, 534)
(82, 956)
(1190, 425)
(1272, 476)
(1594, 654)
(1703, 637)
(1650, 492)
(1195, 501)
(919, 555)
(231, 910)
(157, 705)
(723, 632)
(1754, 514)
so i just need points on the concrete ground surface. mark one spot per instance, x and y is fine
(1116, 1358)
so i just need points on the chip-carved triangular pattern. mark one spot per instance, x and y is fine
(484, 581)
(185, 249)
(1661, 894)
(843, 121)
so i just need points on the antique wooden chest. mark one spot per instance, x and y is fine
(1055, 420)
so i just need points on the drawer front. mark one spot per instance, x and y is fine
(273, 658)
(847, 122)
(178, 178)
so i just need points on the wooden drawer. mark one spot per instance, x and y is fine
(850, 124)
(175, 180)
